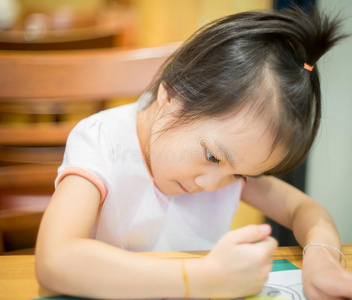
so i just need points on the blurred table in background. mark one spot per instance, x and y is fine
(92, 37)
(62, 25)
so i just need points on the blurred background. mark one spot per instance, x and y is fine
(40, 25)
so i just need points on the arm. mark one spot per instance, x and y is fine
(311, 223)
(68, 262)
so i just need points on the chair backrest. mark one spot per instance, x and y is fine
(92, 37)
(78, 74)
(42, 84)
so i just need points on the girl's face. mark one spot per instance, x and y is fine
(209, 154)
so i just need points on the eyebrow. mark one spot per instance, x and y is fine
(254, 176)
(225, 154)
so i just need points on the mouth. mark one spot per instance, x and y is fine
(183, 188)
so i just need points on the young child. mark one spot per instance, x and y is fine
(238, 102)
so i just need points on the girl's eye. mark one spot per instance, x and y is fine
(211, 157)
(237, 176)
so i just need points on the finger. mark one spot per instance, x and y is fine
(262, 252)
(250, 234)
(319, 294)
(269, 244)
(339, 288)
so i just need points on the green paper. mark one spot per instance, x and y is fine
(283, 265)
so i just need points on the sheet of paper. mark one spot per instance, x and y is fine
(282, 285)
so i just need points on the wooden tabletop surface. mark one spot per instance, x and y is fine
(18, 281)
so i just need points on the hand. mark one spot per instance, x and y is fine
(323, 276)
(239, 264)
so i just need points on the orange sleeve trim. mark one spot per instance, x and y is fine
(87, 175)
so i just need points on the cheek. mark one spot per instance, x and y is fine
(161, 154)
(176, 164)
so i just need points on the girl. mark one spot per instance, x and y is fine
(238, 102)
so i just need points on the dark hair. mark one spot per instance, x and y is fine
(254, 60)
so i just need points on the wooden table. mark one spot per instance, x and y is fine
(17, 275)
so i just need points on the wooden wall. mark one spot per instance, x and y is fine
(165, 21)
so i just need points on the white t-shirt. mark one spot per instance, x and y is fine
(135, 215)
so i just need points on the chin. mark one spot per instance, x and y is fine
(171, 193)
(169, 189)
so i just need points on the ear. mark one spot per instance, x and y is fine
(166, 100)
(163, 95)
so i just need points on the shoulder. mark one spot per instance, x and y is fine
(108, 123)
(114, 117)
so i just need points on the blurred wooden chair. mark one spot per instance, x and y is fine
(40, 26)
(96, 36)
(87, 38)
(45, 89)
